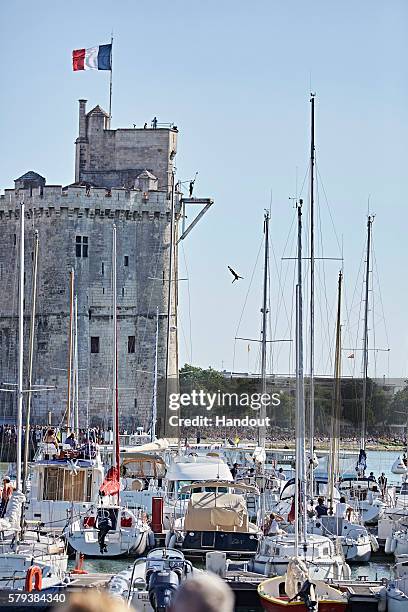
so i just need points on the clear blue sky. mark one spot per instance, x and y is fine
(235, 77)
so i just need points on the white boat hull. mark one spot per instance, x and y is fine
(118, 543)
(14, 568)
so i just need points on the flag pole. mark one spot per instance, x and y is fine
(110, 84)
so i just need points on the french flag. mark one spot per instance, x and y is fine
(95, 58)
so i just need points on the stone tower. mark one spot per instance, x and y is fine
(122, 177)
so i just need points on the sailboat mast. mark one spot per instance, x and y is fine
(154, 398)
(75, 397)
(300, 497)
(70, 347)
(264, 310)
(20, 352)
(312, 286)
(365, 337)
(335, 433)
(30, 364)
(169, 296)
(115, 406)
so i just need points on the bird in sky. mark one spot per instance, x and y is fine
(234, 274)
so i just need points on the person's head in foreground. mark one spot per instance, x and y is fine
(204, 593)
(92, 600)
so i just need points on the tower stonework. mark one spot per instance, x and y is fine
(122, 177)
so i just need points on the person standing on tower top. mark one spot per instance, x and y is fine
(154, 123)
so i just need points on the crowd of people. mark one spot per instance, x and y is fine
(285, 437)
(37, 434)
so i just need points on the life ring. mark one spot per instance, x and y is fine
(33, 572)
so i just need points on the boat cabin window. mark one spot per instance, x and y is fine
(210, 490)
(66, 485)
(143, 469)
(179, 485)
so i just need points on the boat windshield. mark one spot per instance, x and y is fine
(210, 490)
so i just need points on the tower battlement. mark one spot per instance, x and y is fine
(55, 199)
(115, 158)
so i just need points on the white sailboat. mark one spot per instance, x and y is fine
(110, 530)
(323, 557)
(65, 481)
(27, 560)
(354, 537)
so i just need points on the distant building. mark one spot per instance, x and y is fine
(122, 177)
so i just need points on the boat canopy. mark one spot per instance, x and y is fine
(203, 468)
(216, 512)
(140, 465)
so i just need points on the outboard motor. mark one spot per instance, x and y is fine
(162, 586)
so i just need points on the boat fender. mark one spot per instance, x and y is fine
(382, 600)
(151, 539)
(374, 542)
(170, 539)
(387, 547)
(33, 572)
(346, 571)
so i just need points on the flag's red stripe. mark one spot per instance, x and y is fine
(78, 59)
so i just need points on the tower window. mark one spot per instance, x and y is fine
(126, 261)
(131, 344)
(102, 268)
(14, 239)
(81, 246)
(94, 344)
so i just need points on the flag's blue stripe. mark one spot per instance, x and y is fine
(104, 57)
